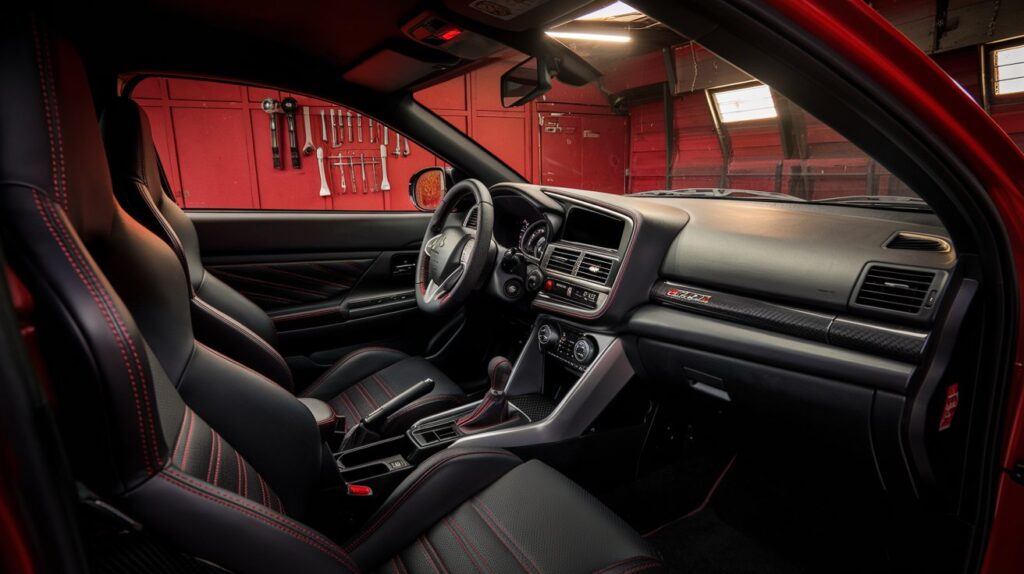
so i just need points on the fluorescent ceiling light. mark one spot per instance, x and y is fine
(616, 38)
(744, 104)
(611, 11)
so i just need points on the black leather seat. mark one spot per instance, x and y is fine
(231, 324)
(206, 454)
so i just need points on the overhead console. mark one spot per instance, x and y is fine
(581, 268)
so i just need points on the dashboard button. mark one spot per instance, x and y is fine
(513, 288)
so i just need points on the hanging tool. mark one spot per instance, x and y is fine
(323, 127)
(373, 175)
(307, 148)
(405, 146)
(272, 107)
(385, 185)
(336, 131)
(290, 106)
(385, 135)
(352, 171)
(398, 150)
(348, 126)
(371, 129)
(325, 190)
(362, 167)
(359, 125)
(340, 164)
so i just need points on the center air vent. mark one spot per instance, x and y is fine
(564, 260)
(896, 289)
(595, 268)
(918, 242)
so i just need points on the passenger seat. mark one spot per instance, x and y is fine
(231, 324)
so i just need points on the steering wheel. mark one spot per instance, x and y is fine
(453, 257)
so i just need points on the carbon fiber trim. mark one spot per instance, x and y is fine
(896, 342)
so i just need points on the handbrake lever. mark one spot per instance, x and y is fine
(372, 424)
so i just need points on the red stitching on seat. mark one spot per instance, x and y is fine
(515, 552)
(188, 439)
(466, 543)
(383, 514)
(366, 395)
(430, 559)
(44, 92)
(651, 562)
(432, 552)
(106, 318)
(511, 540)
(333, 551)
(236, 363)
(246, 332)
(220, 449)
(343, 361)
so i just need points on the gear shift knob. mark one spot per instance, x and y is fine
(493, 409)
(499, 370)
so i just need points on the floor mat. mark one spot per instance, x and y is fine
(705, 544)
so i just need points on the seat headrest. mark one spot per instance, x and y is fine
(50, 138)
(129, 143)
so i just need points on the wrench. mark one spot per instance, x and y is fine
(271, 106)
(334, 134)
(359, 121)
(323, 126)
(398, 151)
(348, 126)
(385, 135)
(325, 190)
(290, 106)
(373, 174)
(385, 185)
(371, 130)
(308, 147)
(341, 170)
(405, 146)
(362, 166)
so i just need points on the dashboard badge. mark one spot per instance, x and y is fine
(689, 296)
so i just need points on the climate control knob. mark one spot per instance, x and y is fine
(548, 336)
(584, 350)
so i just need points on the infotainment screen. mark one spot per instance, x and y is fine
(592, 228)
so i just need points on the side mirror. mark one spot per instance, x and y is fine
(427, 186)
(527, 81)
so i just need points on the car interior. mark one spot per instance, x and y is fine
(512, 374)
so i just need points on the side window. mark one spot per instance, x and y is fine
(215, 142)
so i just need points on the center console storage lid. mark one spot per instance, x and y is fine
(322, 412)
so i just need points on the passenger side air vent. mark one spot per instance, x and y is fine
(896, 289)
(595, 268)
(918, 242)
(563, 260)
(471, 217)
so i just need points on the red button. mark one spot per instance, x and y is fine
(549, 285)
(359, 490)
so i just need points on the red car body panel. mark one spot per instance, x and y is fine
(861, 35)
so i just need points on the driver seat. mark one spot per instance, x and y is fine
(233, 325)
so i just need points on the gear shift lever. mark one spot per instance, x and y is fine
(493, 409)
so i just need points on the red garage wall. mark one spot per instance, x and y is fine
(214, 138)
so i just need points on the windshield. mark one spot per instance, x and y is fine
(666, 116)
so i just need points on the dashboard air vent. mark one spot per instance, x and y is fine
(595, 268)
(471, 218)
(918, 242)
(895, 289)
(563, 260)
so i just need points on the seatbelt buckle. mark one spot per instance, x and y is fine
(359, 490)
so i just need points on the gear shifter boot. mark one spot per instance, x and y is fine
(493, 410)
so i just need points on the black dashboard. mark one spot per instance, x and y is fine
(843, 318)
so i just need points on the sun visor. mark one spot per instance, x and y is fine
(387, 71)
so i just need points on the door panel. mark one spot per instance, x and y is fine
(330, 280)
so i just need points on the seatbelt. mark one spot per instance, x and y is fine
(164, 183)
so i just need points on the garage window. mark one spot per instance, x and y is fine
(745, 104)
(1008, 70)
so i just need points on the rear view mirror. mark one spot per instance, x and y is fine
(530, 79)
(427, 187)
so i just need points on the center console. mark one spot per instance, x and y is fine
(582, 267)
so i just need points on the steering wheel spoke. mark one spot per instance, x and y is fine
(436, 291)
